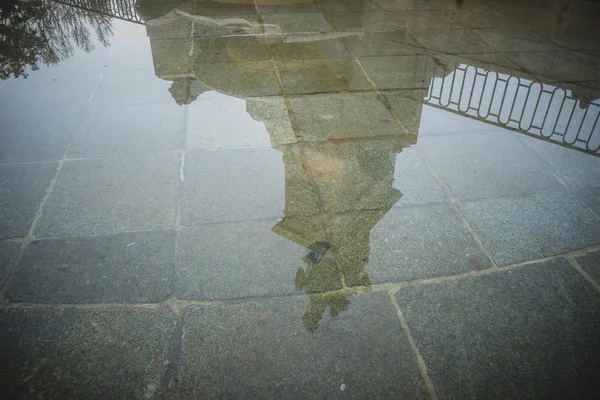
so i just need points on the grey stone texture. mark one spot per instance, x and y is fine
(121, 268)
(75, 353)
(520, 229)
(236, 260)
(264, 350)
(22, 188)
(528, 332)
(99, 196)
(232, 185)
(422, 242)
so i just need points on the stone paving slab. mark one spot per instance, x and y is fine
(8, 255)
(22, 188)
(263, 350)
(529, 332)
(414, 180)
(521, 229)
(422, 242)
(342, 116)
(122, 86)
(122, 268)
(477, 166)
(592, 199)
(232, 185)
(236, 260)
(109, 131)
(590, 264)
(99, 196)
(83, 354)
(579, 170)
(36, 136)
(322, 75)
(221, 122)
(400, 72)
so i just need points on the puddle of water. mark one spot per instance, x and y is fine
(295, 147)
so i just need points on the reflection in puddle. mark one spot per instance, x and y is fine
(299, 199)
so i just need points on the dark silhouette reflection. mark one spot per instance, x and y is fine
(42, 32)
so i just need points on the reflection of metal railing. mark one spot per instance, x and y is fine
(120, 9)
(533, 108)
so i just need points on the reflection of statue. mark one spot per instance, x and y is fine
(41, 31)
(336, 191)
(335, 194)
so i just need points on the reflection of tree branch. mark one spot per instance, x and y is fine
(43, 32)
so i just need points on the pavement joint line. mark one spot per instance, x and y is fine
(173, 303)
(374, 88)
(544, 165)
(296, 129)
(31, 233)
(454, 204)
(415, 349)
(578, 268)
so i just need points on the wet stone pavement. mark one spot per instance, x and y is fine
(296, 199)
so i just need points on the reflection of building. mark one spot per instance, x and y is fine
(335, 191)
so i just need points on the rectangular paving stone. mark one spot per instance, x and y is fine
(122, 86)
(408, 104)
(22, 188)
(122, 268)
(451, 41)
(322, 75)
(422, 242)
(57, 87)
(232, 185)
(590, 264)
(515, 40)
(291, 47)
(414, 180)
(8, 256)
(349, 5)
(579, 170)
(263, 350)
(210, 8)
(369, 21)
(342, 116)
(391, 43)
(112, 195)
(591, 198)
(556, 66)
(529, 332)
(295, 23)
(236, 260)
(36, 136)
(232, 48)
(84, 354)
(218, 121)
(239, 79)
(291, 8)
(401, 72)
(133, 129)
(520, 229)
(484, 165)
